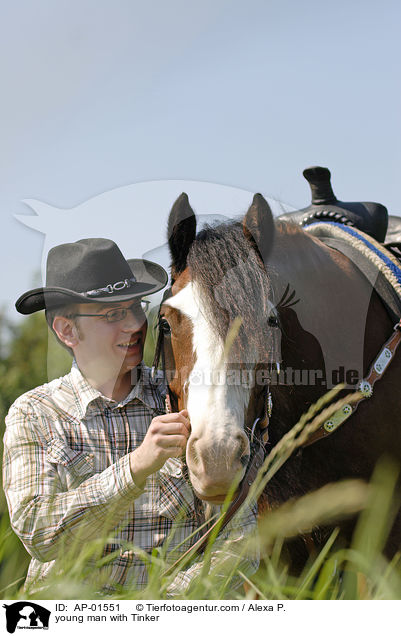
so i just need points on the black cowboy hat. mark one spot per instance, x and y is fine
(92, 271)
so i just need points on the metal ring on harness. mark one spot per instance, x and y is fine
(253, 429)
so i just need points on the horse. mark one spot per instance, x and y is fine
(308, 320)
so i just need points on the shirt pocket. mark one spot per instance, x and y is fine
(175, 496)
(74, 466)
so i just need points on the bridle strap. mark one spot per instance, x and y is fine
(376, 372)
(161, 354)
(159, 350)
(156, 357)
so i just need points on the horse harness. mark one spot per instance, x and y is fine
(383, 271)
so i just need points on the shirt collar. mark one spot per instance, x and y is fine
(84, 393)
(146, 389)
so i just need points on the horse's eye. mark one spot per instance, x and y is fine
(272, 321)
(164, 326)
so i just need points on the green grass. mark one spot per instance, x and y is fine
(359, 571)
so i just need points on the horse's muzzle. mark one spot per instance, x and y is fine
(214, 465)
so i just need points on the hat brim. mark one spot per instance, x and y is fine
(150, 276)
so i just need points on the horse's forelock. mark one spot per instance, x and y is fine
(232, 282)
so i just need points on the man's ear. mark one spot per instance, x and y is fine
(66, 331)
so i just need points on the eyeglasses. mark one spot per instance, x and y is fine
(115, 315)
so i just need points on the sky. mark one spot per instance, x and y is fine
(109, 109)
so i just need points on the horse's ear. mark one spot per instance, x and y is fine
(181, 233)
(258, 226)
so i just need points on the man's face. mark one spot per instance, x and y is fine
(117, 346)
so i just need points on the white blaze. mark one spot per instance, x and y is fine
(216, 403)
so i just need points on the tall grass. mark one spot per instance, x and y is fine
(358, 571)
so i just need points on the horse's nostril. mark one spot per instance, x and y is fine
(191, 450)
(243, 447)
(203, 453)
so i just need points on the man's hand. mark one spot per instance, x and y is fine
(166, 437)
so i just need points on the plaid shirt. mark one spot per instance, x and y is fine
(67, 480)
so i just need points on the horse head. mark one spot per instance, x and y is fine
(218, 280)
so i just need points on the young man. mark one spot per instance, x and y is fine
(93, 455)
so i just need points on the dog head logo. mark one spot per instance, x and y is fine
(26, 615)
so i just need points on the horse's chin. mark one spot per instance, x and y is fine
(216, 499)
(214, 492)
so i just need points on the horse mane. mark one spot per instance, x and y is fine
(232, 282)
